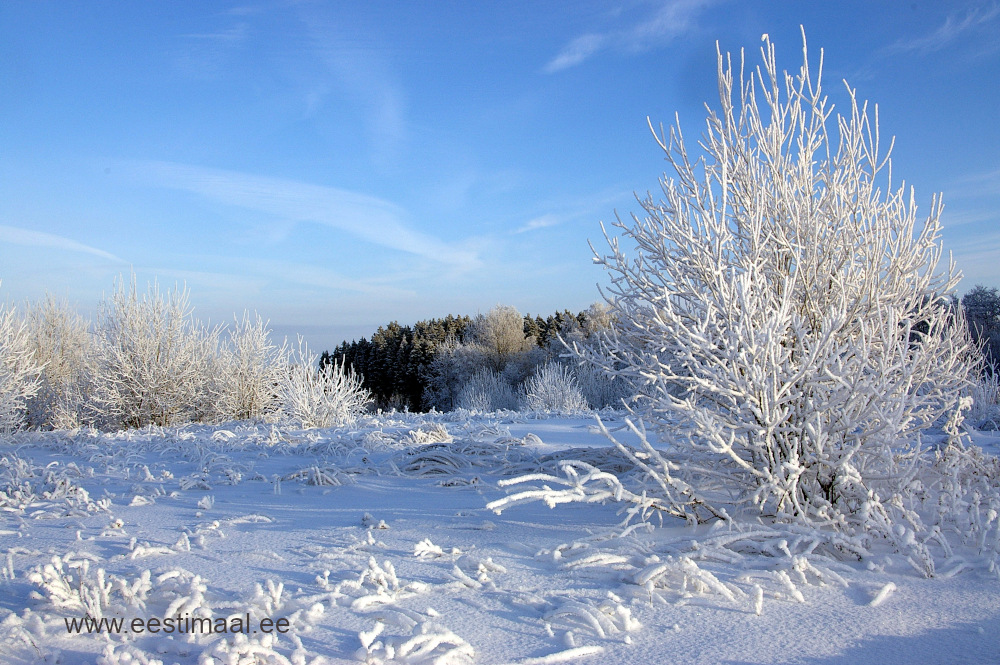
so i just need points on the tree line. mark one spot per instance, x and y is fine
(146, 360)
(426, 365)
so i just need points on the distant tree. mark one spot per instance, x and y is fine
(426, 365)
(486, 391)
(531, 328)
(500, 335)
(982, 311)
(453, 367)
(62, 346)
(19, 371)
(396, 365)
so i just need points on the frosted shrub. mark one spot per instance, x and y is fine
(553, 388)
(985, 394)
(522, 365)
(453, 366)
(783, 312)
(321, 397)
(251, 368)
(18, 370)
(61, 342)
(486, 391)
(600, 389)
(155, 362)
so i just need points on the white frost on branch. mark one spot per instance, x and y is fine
(784, 311)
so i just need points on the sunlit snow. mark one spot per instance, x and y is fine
(375, 544)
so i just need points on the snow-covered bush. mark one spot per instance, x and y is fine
(486, 391)
(155, 363)
(62, 345)
(553, 388)
(783, 312)
(985, 394)
(251, 367)
(453, 366)
(521, 366)
(601, 389)
(320, 397)
(19, 370)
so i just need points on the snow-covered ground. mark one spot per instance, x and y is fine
(374, 544)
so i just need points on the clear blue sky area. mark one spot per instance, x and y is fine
(338, 165)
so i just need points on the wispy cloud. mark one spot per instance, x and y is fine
(986, 183)
(977, 257)
(952, 28)
(209, 55)
(243, 277)
(323, 278)
(361, 70)
(969, 217)
(17, 236)
(589, 207)
(245, 10)
(540, 223)
(671, 19)
(577, 51)
(367, 217)
(233, 35)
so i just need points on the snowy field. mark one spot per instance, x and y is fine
(375, 544)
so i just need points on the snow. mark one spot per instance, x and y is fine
(375, 544)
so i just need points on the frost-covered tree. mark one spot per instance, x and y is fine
(585, 334)
(486, 390)
(553, 388)
(784, 310)
(19, 370)
(521, 366)
(500, 335)
(493, 343)
(250, 369)
(62, 345)
(155, 362)
(982, 310)
(327, 396)
(451, 369)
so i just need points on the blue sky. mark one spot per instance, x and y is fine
(338, 165)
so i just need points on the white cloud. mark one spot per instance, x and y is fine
(323, 278)
(254, 276)
(590, 207)
(17, 236)
(950, 30)
(978, 266)
(360, 68)
(369, 218)
(576, 52)
(210, 55)
(985, 183)
(233, 35)
(540, 223)
(672, 19)
(952, 219)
